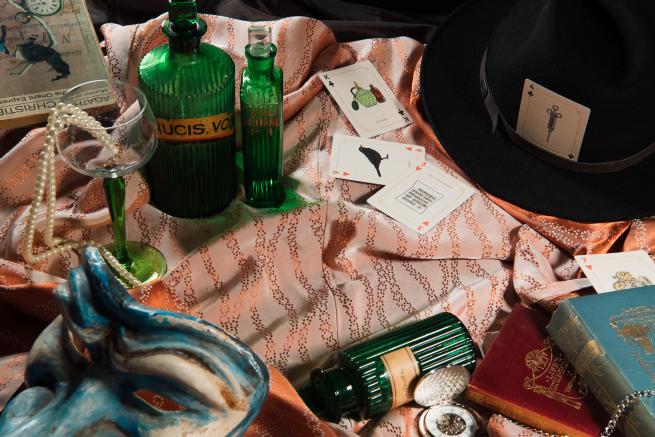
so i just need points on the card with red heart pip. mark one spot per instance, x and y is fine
(422, 198)
(618, 271)
(373, 161)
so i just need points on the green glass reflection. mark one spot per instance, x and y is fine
(261, 121)
(190, 86)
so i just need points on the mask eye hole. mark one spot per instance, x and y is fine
(157, 401)
(77, 345)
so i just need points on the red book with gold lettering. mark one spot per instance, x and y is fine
(524, 376)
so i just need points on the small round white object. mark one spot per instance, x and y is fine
(449, 421)
(441, 385)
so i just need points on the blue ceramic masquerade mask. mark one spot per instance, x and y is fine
(220, 383)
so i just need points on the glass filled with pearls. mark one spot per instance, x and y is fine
(108, 130)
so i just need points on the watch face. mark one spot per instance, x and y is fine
(449, 421)
(43, 7)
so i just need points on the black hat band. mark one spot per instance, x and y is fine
(583, 167)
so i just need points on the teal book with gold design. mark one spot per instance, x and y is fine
(610, 340)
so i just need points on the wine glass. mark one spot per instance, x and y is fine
(123, 113)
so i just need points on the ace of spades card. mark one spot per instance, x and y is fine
(551, 121)
(365, 99)
(372, 161)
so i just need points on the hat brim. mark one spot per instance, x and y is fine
(452, 101)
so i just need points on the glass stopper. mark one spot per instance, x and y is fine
(183, 14)
(259, 40)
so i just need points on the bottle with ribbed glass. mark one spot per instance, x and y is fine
(261, 121)
(377, 375)
(190, 85)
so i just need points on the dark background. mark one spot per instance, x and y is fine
(350, 20)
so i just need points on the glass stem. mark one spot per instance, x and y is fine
(115, 194)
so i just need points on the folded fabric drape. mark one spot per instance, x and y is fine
(327, 269)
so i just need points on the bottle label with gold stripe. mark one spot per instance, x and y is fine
(196, 129)
(402, 371)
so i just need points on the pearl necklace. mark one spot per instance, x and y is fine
(61, 116)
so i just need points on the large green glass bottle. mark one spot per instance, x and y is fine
(377, 375)
(190, 86)
(261, 121)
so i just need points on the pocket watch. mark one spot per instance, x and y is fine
(444, 417)
(447, 420)
(38, 8)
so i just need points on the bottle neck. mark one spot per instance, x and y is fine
(335, 388)
(184, 37)
(261, 66)
(184, 46)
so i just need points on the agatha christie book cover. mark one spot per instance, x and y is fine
(524, 376)
(610, 339)
(46, 47)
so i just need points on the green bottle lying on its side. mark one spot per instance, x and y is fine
(379, 374)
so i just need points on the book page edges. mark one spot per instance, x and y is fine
(528, 417)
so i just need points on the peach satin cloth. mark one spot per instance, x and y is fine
(300, 283)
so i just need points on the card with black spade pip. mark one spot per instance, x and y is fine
(373, 161)
(551, 121)
(365, 99)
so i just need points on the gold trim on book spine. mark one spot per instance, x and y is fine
(585, 360)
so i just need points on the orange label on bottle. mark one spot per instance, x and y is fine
(196, 129)
(402, 371)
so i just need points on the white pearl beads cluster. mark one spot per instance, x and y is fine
(61, 116)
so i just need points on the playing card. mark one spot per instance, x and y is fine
(552, 122)
(618, 271)
(365, 98)
(421, 198)
(373, 161)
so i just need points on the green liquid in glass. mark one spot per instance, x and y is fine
(142, 260)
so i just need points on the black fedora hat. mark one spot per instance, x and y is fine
(599, 53)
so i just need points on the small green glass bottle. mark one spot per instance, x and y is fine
(261, 121)
(377, 375)
(191, 88)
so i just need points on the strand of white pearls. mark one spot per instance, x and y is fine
(61, 116)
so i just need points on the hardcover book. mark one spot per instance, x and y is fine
(610, 339)
(525, 376)
(46, 47)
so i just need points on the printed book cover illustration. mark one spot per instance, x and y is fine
(46, 47)
(526, 377)
(610, 339)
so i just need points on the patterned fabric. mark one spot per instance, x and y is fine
(327, 269)
(11, 375)
(500, 426)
